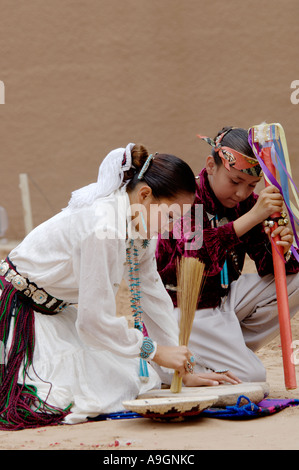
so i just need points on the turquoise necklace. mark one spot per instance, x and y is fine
(224, 272)
(133, 263)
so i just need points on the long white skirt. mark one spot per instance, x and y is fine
(66, 371)
(228, 336)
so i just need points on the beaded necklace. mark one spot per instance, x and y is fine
(224, 272)
(133, 263)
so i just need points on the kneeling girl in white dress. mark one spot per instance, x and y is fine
(67, 356)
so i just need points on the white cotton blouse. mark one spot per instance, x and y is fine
(79, 256)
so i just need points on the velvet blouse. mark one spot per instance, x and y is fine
(217, 245)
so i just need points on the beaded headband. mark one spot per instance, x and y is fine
(233, 158)
(145, 166)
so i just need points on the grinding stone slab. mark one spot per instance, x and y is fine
(172, 408)
(227, 394)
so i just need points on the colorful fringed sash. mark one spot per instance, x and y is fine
(20, 406)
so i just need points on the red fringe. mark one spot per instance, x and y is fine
(20, 406)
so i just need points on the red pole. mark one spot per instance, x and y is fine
(282, 294)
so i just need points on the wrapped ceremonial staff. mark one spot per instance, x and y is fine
(190, 274)
(269, 144)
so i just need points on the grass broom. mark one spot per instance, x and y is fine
(190, 274)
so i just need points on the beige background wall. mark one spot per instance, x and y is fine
(84, 77)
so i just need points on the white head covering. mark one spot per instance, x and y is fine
(110, 178)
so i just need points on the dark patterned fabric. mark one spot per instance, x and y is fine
(250, 410)
(240, 411)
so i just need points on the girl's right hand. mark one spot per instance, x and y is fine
(173, 357)
(269, 201)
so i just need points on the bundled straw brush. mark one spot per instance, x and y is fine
(190, 274)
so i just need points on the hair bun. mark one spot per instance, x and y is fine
(139, 155)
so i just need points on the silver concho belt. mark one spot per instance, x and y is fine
(38, 296)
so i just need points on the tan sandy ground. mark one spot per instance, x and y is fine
(277, 432)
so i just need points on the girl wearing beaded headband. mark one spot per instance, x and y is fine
(230, 157)
(237, 313)
(68, 355)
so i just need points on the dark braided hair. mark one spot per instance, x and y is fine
(167, 175)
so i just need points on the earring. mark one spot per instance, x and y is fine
(143, 222)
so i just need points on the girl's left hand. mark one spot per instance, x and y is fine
(286, 236)
(210, 379)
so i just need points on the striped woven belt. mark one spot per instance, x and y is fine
(42, 301)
